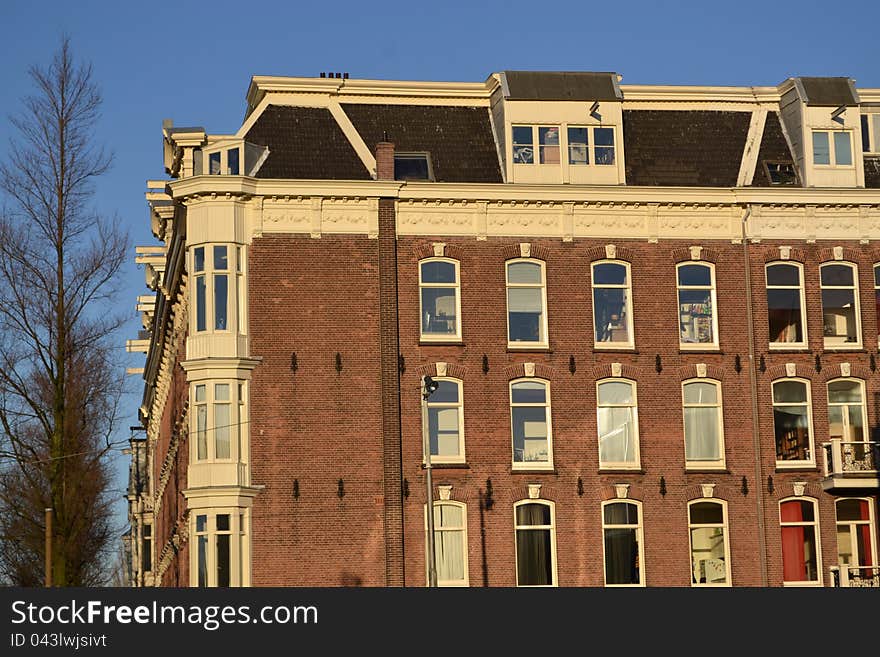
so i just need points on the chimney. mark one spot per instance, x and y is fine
(385, 159)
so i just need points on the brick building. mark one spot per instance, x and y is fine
(650, 314)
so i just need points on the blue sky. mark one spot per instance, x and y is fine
(192, 62)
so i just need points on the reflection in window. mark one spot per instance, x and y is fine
(703, 443)
(535, 544)
(791, 420)
(832, 147)
(603, 138)
(622, 533)
(855, 533)
(840, 305)
(846, 411)
(612, 317)
(548, 142)
(578, 146)
(526, 319)
(800, 559)
(232, 162)
(618, 424)
(785, 305)
(438, 282)
(696, 303)
(530, 418)
(708, 533)
(445, 422)
(523, 145)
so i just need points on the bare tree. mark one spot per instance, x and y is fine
(59, 385)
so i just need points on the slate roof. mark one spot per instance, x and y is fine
(773, 148)
(459, 139)
(305, 143)
(684, 148)
(561, 85)
(829, 92)
(872, 172)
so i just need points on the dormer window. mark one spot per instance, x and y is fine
(832, 148)
(412, 166)
(582, 150)
(871, 133)
(781, 173)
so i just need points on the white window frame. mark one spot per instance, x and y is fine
(237, 410)
(531, 465)
(551, 527)
(724, 527)
(872, 123)
(852, 524)
(238, 545)
(235, 307)
(441, 337)
(843, 346)
(800, 463)
(537, 153)
(803, 344)
(818, 536)
(721, 463)
(697, 346)
(436, 458)
(465, 581)
(635, 464)
(863, 407)
(539, 344)
(630, 343)
(832, 149)
(640, 535)
(591, 146)
(223, 149)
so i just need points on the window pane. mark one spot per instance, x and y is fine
(202, 431)
(839, 316)
(214, 163)
(604, 145)
(523, 151)
(694, 275)
(222, 559)
(439, 310)
(789, 391)
(443, 431)
(706, 513)
(232, 162)
(447, 515)
(203, 561)
(411, 167)
(525, 315)
(199, 258)
(617, 435)
(201, 523)
(449, 555)
(700, 393)
(221, 296)
(845, 391)
(609, 273)
(707, 555)
(701, 434)
(578, 136)
(524, 272)
(799, 554)
(876, 123)
(200, 303)
(534, 564)
(525, 299)
(695, 316)
(610, 320)
(221, 431)
(530, 434)
(221, 260)
(783, 275)
(221, 392)
(621, 556)
(528, 392)
(200, 393)
(446, 393)
(852, 510)
(578, 150)
(438, 272)
(615, 392)
(842, 149)
(532, 515)
(877, 276)
(866, 142)
(821, 151)
(784, 315)
(792, 431)
(621, 513)
(837, 275)
(223, 522)
(548, 140)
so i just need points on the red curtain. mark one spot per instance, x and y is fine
(794, 567)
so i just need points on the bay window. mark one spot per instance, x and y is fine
(218, 275)
(220, 554)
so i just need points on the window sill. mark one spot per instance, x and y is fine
(448, 466)
(797, 467)
(788, 350)
(700, 350)
(721, 470)
(441, 343)
(853, 349)
(534, 471)
(621, 471)
(536, 350)
(615, 350)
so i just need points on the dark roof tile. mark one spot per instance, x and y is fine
(872, 172)
(774, 148)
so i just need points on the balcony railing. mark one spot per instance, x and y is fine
(855, 576)
(850, 464)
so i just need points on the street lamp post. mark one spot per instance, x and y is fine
(429, 386)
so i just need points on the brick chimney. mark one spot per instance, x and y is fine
(385, 160)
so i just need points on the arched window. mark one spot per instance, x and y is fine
(535, 527)
(530, 424)
(612, 304)
(801, 550)
(450, 543)
(698, 323)
(618, 423)
(857, 537)
(439, 299)
(526, 303)
(847, 416)
(623, 543)
(446, 422)
(793, 422)
(707, 524)
(786, 310)
(840, 305)
(703, 424)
